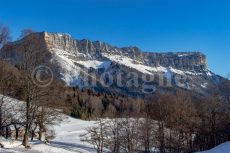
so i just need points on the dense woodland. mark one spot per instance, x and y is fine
(173, 123)
(176, 122)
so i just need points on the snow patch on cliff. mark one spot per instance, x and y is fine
(131, 63)
(204, 85)
(95, 64)
(126, 61)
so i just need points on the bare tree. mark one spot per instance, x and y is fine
(148, 131)
(114, 130)
(182, 122)
(97, 135)
(130, 135)
(26, 32)
(28, 64)
(214, 116)
(29, 56)
(8, 81)
(4, 35)
(160, 113)
(46, 113)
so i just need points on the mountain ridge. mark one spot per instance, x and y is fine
(133, 52)
(76, 62)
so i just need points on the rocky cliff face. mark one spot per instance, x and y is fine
(77, 61)
(180, 60)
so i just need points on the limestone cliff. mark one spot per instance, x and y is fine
(73, 61)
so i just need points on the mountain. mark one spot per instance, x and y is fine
(126, 71)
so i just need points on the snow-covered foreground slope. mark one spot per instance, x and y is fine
(69, 133)
(67, 140)
(223, 148)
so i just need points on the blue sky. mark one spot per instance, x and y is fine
(152, 25)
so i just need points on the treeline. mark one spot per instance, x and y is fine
(174, 123)
(90, 104)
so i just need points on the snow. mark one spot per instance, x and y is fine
(12, 106)
(60, 35)
(95, 64)
(67, 139)
(74, 66)
(204, 85)
(182, 55)
(222, 148)
(63, 34)
(9, 143)
(209, 73)
(134, 65)
(37, 147)
(180, 72)
(67, 135)
(177, 71)
(126, 61)
(69, 71)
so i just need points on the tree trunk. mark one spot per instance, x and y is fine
(40, 137)
(26, 139)
(16, 132)
(32, 135)
(1, 120)
(7, 133)
(162, 137)
(41, 132)
(26, 134)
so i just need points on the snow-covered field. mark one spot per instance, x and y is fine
(67, 140)
(222, 148)
(67, 137)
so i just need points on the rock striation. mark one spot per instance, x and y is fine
(179, 60)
